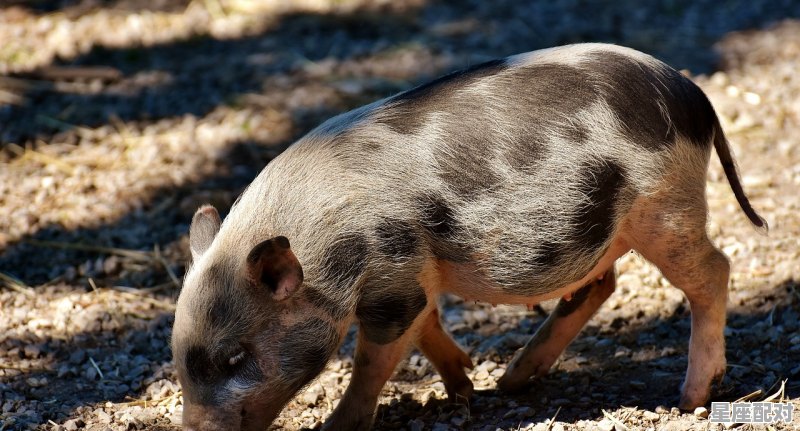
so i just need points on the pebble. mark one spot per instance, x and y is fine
(636, 384)
(416, 425)
(651, 416)
(701, 412)
(606, 425)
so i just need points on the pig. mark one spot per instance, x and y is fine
(514, 181)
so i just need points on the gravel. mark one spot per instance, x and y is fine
(111, 139)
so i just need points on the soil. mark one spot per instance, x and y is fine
(118, 118)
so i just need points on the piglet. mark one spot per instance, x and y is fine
(514, 181)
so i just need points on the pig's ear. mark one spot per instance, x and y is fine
(205, 225)
(273, 265)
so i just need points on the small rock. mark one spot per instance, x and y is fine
(662, 410)
(312, 395)
(73, 424)
(637, 384)
(78, 356)
(524, 411)
(488, 365)
(102, 416)
(32, 351)
(416, 425)
(701, 412)
(36, 382)
(651, 416)
(606, 425)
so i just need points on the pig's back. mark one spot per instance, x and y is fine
(523, 167)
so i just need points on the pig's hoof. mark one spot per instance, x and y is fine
(461, 392)
(691, 401)
(512, 383)
(693, 397)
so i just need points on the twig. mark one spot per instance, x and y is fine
(161, 304)
(25, 369)
(780, 393)
(41, 158)
(158, 401)
(93, 286)
(58, 73)
(553, 420)
(165, 264)
(9, 98)
(94, 364)
(143, 291)
(24, 84)
(614, 420)
(755, 394)
(133, 254)
(17, 285)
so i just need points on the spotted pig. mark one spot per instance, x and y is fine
(514, 181)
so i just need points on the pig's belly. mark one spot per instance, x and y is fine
(464, 280)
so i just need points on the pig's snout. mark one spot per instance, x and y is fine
(207, 418)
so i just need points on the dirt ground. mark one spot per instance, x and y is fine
(118, 118)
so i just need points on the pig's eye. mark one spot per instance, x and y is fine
(236, 359)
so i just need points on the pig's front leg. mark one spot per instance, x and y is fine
(446, 356)
(555, 334)
(373, 365)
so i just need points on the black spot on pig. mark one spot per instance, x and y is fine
(199, 367)
(444, 232)
(344, 260)
(603, 185)
(653, 104)
(407, 111)
(396, 239)
(384, 315)
(552, 92)
(546, 256)
(463, 161)
(329, 305)
(525, 151)
(306, 349)
(564, 308)
(207, 370)
(223, 312)
(551, 95)
(576, 133)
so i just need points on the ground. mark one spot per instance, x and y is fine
(119, 117)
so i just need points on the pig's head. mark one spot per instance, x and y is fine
(244, 341)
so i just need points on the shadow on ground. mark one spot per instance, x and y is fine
(592, 375)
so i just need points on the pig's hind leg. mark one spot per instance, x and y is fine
(555, 334)
(672, 235)
(446, 356)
